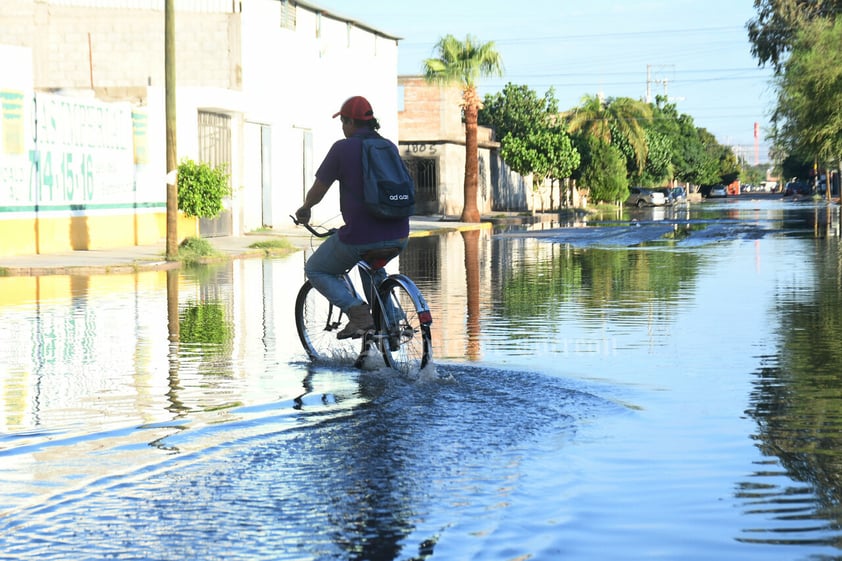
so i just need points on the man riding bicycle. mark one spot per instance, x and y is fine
(361, 232)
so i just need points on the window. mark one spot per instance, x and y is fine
(215, 138)
(287, 15)
(424, 174)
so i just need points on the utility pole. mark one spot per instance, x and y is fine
(172, 165)
(650, 79)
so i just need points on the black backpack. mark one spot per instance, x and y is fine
(388, 189)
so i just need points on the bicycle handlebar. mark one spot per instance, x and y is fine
(317, 233)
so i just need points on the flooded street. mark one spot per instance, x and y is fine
(663, 384)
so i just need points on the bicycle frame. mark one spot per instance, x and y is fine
(375, 301)
(401, 317)
(412, 290)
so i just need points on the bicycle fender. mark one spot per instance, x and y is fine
(411, 289)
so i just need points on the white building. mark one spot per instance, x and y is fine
(257, 84)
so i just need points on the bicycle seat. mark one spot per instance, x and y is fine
(377, 258)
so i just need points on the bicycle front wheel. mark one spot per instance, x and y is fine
(404, 322)
(318, 321)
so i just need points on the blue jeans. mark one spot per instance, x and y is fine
(332, 259)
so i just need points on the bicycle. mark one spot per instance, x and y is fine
(401, 317)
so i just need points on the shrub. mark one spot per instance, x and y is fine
(201, 188)
(196, 250)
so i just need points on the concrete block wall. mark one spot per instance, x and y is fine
(430, 111)
(78, 47)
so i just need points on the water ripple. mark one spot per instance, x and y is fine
(380, 473)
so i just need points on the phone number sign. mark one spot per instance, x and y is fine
(84, 152)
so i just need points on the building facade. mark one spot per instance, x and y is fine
(257, 84)
(432, 142)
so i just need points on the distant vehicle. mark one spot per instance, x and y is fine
(678, 194)
(672, 195)
(640, 197)
(797, 188)
(717, 191)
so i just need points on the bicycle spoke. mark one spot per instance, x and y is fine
(406, 341)
(318, 322)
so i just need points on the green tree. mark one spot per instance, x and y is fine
(521, 153)
(658, 169)
(676, 130)
(612, 120)
(718, 164)
(808, 116)
(562, 158)
(547, 153)
(694, 153)
(603, 170)
(774, 30)
(531, 139)
(518, 110)
(753, 174)
(464, 63)
(795, 167)
(729, 165)
(707, 161)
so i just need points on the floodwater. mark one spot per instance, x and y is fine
(663, 384)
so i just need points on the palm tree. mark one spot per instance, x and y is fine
(604, 119)
(462, 64)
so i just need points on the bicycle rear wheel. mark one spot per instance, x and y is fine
(403, 321)
(318, 321)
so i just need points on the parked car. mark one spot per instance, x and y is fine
(672, 195)
(677, 194)
(797, 188)
(638, 196)
(717, 191)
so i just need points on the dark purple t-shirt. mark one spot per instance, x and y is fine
(343, 163)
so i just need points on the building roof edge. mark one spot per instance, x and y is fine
(362, 25)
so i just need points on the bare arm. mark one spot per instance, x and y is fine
(313, 197)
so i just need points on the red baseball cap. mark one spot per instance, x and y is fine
(357, 108)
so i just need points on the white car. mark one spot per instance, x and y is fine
(717, 191)
(640, 197)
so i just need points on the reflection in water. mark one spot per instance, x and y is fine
(376, 474)
(472, 288)
(620, 282)
(173, 325)
(797, 403)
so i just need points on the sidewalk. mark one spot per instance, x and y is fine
(152, 257)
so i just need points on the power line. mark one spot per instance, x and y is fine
(602, 36)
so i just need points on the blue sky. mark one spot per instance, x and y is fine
(695, 51)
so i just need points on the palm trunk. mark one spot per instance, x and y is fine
(470, 212)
